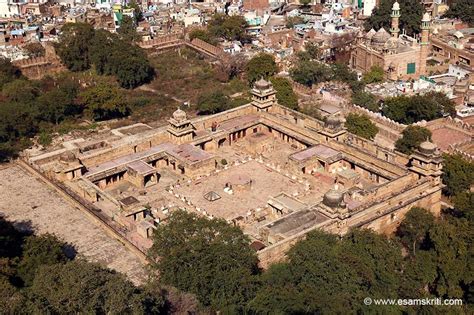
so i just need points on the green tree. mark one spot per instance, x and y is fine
(463, 10)
(8, 72)
(411, 139)
(130, 65)
(228, 27)
(138, 14)
(74, 43)
(57, 104)
(208, 258)
(366, 100)
(128, 30)
(284, 92)
(326, 274)
(310, 72)
(261, 66)
(413, 230)
(38, 251)
(203, 35)
(361, 125)
(81, 287)
(458, 174)
(21, 91)
(212, 103)
(408, 110)
(410, 19)
(374, 75)
(104, 101)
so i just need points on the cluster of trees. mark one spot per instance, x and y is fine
(412, 137)
(411, 109)
(260, 66)
(458, 175)
(32, 107)
(222, 26)
(463, 10)
(361, 125)
(428, 257)
(81, 47)
(27, 106)
(40, 275)
(213, 102)
(410, 20)
(308, 70)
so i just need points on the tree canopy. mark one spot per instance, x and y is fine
(463, 10)
(212, 103)
(458, 174)
(410, 20)
(228, 27)
(261, 66)
(366, 100)
(411, 109)
(284, 92)
(374, 75)
(80, 47)
(361, 125)
(208, 258)
(412, 137)
(38, 275)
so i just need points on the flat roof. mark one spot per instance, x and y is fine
(237, 121)
(319, 150)
(141, 167)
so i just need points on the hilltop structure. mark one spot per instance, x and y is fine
(275, 172)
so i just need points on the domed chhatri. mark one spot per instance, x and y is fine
(428, 147)
(381, 37)
(179, 115)
(396, 6)
(262, 84)
(426, 17)
(333, 198)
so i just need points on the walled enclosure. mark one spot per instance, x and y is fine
(340, 180)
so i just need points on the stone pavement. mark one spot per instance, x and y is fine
(25, 198)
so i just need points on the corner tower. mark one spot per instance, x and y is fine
(263, 95)
(394, 30)
(180, 129)
(425, 42)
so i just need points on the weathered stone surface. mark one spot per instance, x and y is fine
(25, 198)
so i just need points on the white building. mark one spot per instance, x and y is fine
(9, 8)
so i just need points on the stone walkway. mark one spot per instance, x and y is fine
(25, 198)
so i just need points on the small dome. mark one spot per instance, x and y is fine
(428, 147)
(67, 157)
(370, 34)
(381, 37)
(333, 198)
(426, 17)
(396, 6)
(179, 115)
(262, 84)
